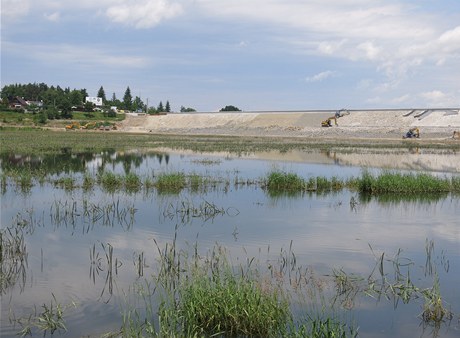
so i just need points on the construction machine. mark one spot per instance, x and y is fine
(73, 126)
(412, 133)
(342, 112)
(328, 122)
(89, 125)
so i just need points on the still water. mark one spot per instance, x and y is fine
(70, 233)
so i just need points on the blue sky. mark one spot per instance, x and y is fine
(254, 54)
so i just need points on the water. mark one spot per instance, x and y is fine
(68, 250)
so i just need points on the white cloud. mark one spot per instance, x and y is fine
(330, 47)
(437, 98)
(143, 14)
(401, 99)
(451, 37)
(54, 17)
(371, 52)
(65, 54)
(14, 9)
(396, 37)
(321, 76)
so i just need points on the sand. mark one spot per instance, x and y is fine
(385, 124)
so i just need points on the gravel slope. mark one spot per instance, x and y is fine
(437, 125)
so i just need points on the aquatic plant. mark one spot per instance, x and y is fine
(391, 182)
(13, 257)
(434, 311)
(88, 182)
(67, 183)
(50, 319)
(325, 328)
(226, 304)
(210, 296)
(132, 182)
(110, 181)
(284, 182)
(171, 183)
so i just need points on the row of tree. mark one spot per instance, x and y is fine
(63, 99)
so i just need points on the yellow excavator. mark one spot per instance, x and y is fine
(328, 122)
(73, 126)
(412, 133)
(89, 125)
(339, 113)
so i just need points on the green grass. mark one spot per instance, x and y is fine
(171, 183)
(13, 257)
(398, 183)
(110, 181)
(67, 183)
(387, 186)
(51, 319)
(192, 295)
(230, 305)
(45, 141)
(133, 182)
(278, 182)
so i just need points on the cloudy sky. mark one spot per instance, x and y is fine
(254, 54)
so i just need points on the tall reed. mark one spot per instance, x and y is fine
(171, 183)
(399, 183)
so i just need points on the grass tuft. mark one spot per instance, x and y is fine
(171, 183)
(230, 305)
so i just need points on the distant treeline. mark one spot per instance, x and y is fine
(65, 98)
(43, 97)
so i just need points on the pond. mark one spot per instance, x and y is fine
(85, 248)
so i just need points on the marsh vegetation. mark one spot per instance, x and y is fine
(164, 243)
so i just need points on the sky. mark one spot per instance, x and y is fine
(252, 54)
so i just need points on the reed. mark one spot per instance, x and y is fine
(133, 182)
(210, 296)
(434, 311)
(67, 183)
(45, 141)
(399, 183)
(51, 319)
(13, 257)
(284, 182)
(197, 182)
(88, 182)
(326, 328)
(171, 183)
(231, 305)
(110, 181)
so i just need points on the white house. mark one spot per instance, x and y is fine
(97, 101)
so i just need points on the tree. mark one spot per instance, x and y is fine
(186, 110)
(76, 97)
(152, 111)
(66, 109)
(160, 108)
(127, 99)
(138, 104)
(84, 93)
(114, 101)
(168, 107)
(101, 94)
(89, 106)
(230, 108)
(52, 113)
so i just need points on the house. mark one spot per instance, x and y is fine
(17, 102)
